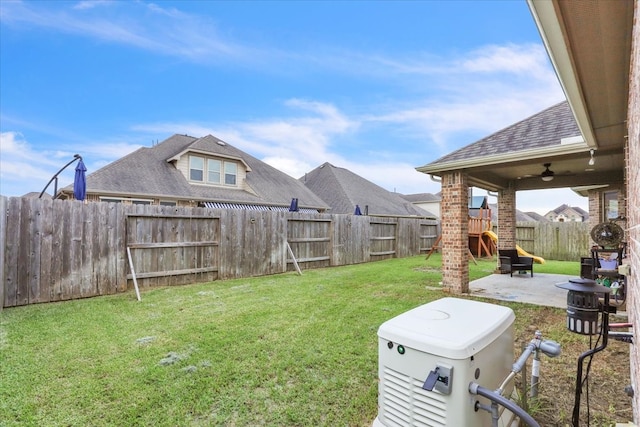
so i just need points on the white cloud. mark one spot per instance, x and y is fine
(149, 27)
(517, 59)
(293, 168)
(91, 4)
(24, 169)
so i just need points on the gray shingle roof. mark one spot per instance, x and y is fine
(343, 190)
(581, 211)
(147, 172)
(536, 217)
(544, 129)
(561, 208)
(520, 216)
(422, 197)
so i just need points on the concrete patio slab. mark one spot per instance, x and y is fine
(540, 289)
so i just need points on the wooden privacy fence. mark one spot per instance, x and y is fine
(54, 250)
(562, 241)
(172, 249)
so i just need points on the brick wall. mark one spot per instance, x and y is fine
(633, 209)
(507, 219)
(595, 208)
(455, 232)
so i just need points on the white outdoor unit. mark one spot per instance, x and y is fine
(429, 355)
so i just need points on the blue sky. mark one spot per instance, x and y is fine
(377, 87)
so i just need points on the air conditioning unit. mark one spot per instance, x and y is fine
(428, 356)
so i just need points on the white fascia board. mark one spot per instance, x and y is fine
(537, 153)
(584, 190)
(208, 154)
(550, 28)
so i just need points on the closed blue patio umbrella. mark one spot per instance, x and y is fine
(358, 211)
(80, 182)
(294, 205)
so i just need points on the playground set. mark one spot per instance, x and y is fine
(483, 242)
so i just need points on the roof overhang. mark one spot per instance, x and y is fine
(208, 154)
(589, 45)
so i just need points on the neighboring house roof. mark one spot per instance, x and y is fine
(422, 197)
(150, 172)
(35, 195)
(536, 217)
(560, 209)
(343, 190)
(526, 217)
(585, 214)
(520, 216)
(564, 209)
(544, 129)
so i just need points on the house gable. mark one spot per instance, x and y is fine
(159, 174)
(566, 213)
(214, 169)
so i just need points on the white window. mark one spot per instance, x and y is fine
(110, 200)
(214, 168)
(196, 168)
(211, 171)
(610, 201)
(230, 173)
(127, 201)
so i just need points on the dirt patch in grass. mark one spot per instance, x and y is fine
(428, 269)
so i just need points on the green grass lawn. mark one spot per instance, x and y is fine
(276, 350)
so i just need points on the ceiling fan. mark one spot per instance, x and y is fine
(547, 175)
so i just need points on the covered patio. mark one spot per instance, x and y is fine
(593, 47)
(554, 148)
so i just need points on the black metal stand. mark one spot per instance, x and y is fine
(55, 177)
(605, 334)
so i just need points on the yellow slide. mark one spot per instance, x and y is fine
(494, 237)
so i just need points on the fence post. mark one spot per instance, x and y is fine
(3, 242)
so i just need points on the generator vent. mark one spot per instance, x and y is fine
(407, 403)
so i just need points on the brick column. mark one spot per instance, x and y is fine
(595, 212)
(455, 232)
(507, 218)
(595, 207)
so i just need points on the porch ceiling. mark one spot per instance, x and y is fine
(589, 44)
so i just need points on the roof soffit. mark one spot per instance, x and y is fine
(589, 44)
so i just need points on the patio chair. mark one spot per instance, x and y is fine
(511, 261)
